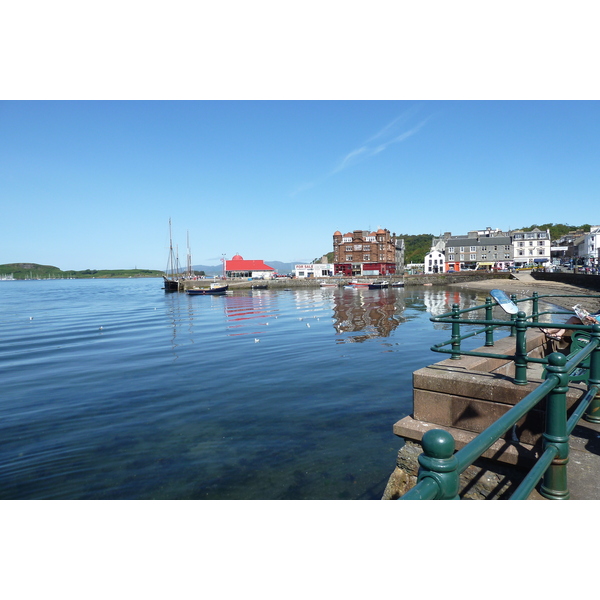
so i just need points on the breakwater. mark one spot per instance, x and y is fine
(285, 283)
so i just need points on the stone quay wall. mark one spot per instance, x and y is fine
(589, 282)
(309, 282)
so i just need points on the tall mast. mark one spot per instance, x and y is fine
(170, 265)
(189, 256)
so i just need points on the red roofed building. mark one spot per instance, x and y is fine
(238, 267)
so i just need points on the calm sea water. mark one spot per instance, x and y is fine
(117, 390)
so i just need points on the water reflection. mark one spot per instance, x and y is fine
(373, 313)
(254, 309)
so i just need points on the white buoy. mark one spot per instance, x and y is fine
(256, 340)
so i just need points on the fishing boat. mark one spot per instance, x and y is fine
(379, 285)
(215, 289)
(359, 284)
(398, 284)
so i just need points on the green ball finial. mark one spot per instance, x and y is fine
(556, 359)
(438, 443)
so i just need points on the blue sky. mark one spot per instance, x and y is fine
(92, 184)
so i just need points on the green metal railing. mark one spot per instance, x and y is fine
(440, 467)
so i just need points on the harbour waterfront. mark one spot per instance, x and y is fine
(114, 389)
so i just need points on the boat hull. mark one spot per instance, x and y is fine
(171, 285)
(379, 285)
(216, 291)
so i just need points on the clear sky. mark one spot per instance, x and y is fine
(92, 184)
(261, 129)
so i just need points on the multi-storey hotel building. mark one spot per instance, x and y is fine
(367, 253)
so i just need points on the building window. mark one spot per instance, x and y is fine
(366, 257)
(462, 248)
(473, 249)
(472, 257)
(451, 257)
(349, 257)
(450, 249)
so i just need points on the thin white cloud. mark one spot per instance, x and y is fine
(367, 151)
(385, 137)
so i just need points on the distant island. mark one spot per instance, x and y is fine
(35, 271)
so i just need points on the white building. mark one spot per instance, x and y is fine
(435, 259)
(313, 270)
(587, 247)
(531, 248)
(434, 262)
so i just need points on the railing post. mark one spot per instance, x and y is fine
(455, 332)
(513, 318)
(489, 329)
(521, 349)
(592, 414)
(554, 485)
(438, 462)
(535, 308)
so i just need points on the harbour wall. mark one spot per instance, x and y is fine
(309, 282)
(589, 282)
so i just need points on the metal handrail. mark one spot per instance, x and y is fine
(440, 466)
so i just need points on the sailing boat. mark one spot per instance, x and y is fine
(170, 276)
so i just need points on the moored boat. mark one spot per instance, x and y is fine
(379, 285)
(214, 290)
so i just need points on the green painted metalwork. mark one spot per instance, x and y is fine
(440, 467)
(593, 411)
(489, 330)
(521, 349)
(554, 486)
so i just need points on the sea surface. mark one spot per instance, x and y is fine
(114, 389)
